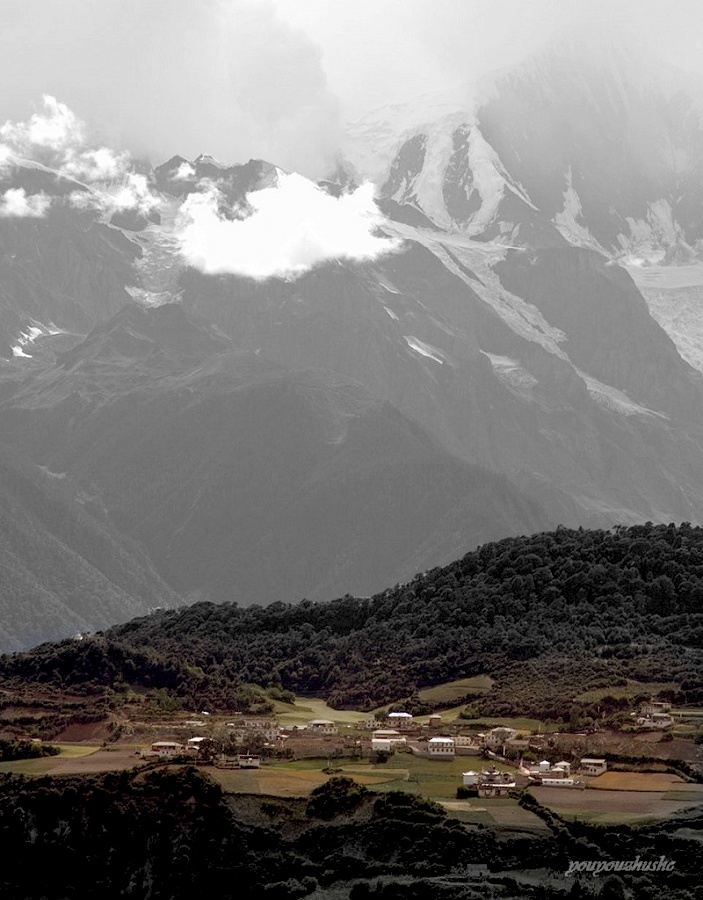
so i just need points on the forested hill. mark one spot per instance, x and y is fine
(605, 605)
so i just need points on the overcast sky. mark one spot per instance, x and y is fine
(277, 78)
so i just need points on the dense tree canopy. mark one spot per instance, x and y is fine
(576, 607)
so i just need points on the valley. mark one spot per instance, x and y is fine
(351, 488)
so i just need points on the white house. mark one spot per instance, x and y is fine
(167, 748)
(268, 729)
(322, 726)
(400, 719)
(381, 745)
(195, 743)
(591, 766)
(389, 734)
(656, 720)
(496, 737)
(441, 748)
(470, 778)
(493, 783)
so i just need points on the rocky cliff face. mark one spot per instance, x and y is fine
(591, 145)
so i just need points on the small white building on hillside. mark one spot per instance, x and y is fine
(590, 766)
(167, 748)
(656, 720)
(496, 737)
(322, 726)
(441, 748)
(389, 734)
(400, 719)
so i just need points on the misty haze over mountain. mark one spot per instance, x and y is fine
(256, 348)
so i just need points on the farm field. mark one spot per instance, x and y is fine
(306, 708)
(504, 812)
(641, 781)
(74, 759)
(434, 779)
(451, 714)
(286, 781)
(618, 806)
(451, 691)
(631, 689)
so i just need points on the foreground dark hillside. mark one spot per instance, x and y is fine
(172, 834)
(549, 616)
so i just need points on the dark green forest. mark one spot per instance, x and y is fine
(548, 616)
(172, 833)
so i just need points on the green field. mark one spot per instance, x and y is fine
(306, 708)
(451, 691)
(431, 778)
(453, 713)
(631, 689)
(435, 780)
(45, 763)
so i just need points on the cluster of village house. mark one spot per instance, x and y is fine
(400, 731)
(656, 715)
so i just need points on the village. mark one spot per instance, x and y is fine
(250, 742)
(648, 766)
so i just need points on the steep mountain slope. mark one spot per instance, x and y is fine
(246, 480)
(587, 143)
(64, 271)
(63, 567)
(546, 367)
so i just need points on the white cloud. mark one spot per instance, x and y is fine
(57, 138)
(16, 203)
(184, 172)
(292, 228)
(132, 192)
(6, 163)
(244, 83)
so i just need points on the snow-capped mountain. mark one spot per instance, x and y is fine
(513, 315)
(584, 144)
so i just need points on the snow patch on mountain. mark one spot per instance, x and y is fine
(522, 317)
(650, 238)
(613, 399)
(373, 140)
(569, 222)
(511, 373)
(430, 180)
(674, 296)
(27, 338)
(424, 349)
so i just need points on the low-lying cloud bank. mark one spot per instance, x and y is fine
(293, 227)
(279, 231)
(16, 203)
(56, 138)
